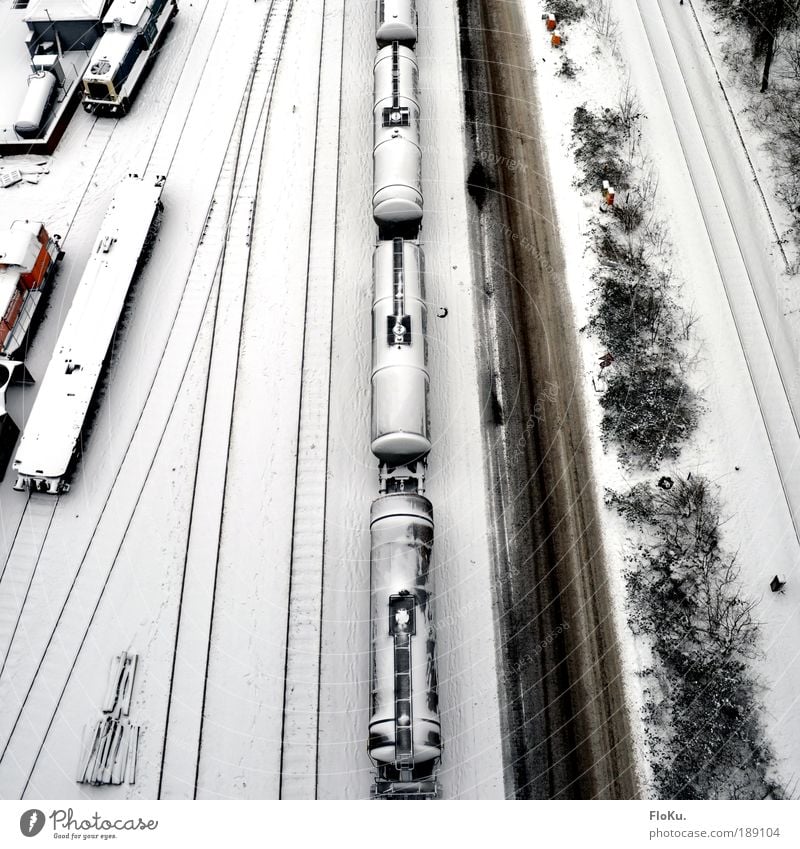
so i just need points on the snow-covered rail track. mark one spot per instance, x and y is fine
(744, 272)
(51, 655)
(102, 130)
(20, 567)
(299, 727)
(189, 677)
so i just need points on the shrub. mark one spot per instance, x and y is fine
(684, 593)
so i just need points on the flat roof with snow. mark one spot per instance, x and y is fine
(66, 10)
(56, 420)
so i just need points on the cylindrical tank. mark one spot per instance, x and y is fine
(401, 533)
(396, 78)
(400, 432)
(397, 197)
(41, 87)
(397, 156)
(396, 21)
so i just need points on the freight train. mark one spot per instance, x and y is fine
(404, 743)
(133, 31)
(397, 190)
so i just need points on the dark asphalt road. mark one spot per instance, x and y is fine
(566, 728)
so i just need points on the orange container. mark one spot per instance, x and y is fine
(33, 279)
(555, 39)
(10, 318)
(551, 22)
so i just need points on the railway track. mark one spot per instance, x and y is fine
(183, 735)
(40, 671)
(19, 569)
(301, 694)
(774, 396)
(103, 130)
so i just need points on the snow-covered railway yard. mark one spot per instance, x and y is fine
(217, 520)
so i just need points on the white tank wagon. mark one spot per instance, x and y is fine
(133, 31)
(52, 436)
(28, 259)
(400, 429)
(36, 105)
(404, 730)
(396, 21)
(397, 158)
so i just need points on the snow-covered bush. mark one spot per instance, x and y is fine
(566, 10)
(706, 739)
(649, 408)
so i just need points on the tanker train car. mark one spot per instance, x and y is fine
(400, 430)
(397, 158)
(52, 437)
(404, 729)
(133, 31)
(396, 21)
(405, 743)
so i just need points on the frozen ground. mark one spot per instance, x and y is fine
(748, 422)
(130, 550)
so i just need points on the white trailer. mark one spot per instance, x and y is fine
(52, 435)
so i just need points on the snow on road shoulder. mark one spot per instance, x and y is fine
(731, 433)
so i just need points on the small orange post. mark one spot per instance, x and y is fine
(555, 38)
(551, 22)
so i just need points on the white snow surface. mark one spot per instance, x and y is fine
(291, 572)
(719, 232)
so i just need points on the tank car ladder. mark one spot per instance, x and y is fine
(399, 323)
(402, 624)
(396, 115)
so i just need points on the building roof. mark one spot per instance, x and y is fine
(66, 10)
